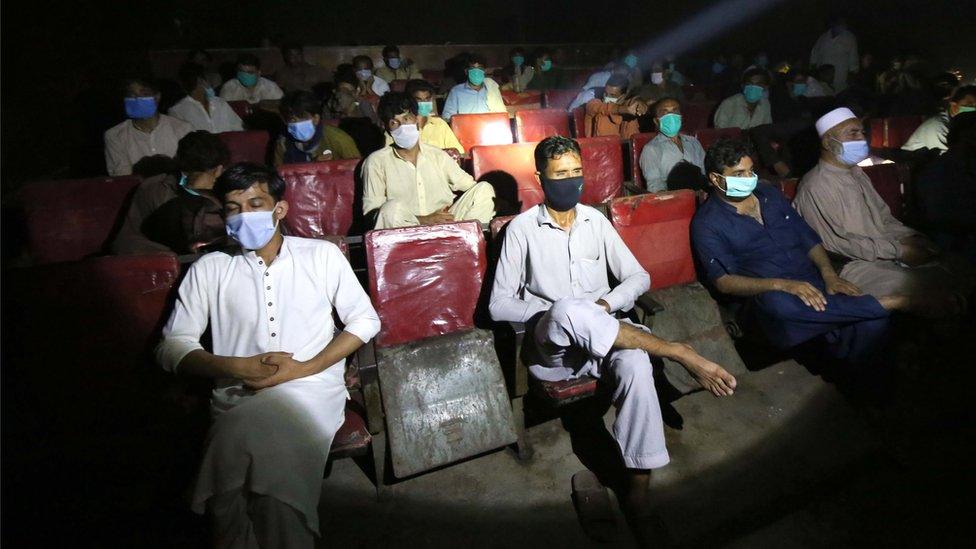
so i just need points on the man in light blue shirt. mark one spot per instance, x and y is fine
(669, 148)
(477, 95)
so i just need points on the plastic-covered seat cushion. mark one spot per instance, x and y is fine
(637, 143)
(511, 171)
(656, 229)
(537, 124)
(889, 180)
(603, 169)
(482, 129)
(320, 197)
(246, 146)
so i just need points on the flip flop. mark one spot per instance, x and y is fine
(593, 507)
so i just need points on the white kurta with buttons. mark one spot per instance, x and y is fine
(275, 441)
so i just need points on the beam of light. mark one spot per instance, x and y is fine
(706, 25)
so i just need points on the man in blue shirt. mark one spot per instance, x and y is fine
(479, 94)
(752, 244)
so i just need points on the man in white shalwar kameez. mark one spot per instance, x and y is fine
(277, 364)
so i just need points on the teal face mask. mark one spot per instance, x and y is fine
(247, 79)
(753, 93)
(424, 108)
(964, 109)
(799, 88)
(518, 60)
(630, 61)
(670, 124)
(185, 188)
(740, 187)
(546, 65)
(476, 76)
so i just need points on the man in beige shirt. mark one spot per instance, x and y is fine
(297, 74)
(145, 133)
(395, 67)
(882, 255)
(410, 183)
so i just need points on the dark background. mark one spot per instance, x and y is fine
(62, 61)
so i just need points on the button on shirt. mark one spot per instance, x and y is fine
(727, 242)
(220, 118)
(734, 113)
(541, 263)
(264, 90)
(254, 308)
(427, 187)
(660, 155)
(463, 99)
(125, 144)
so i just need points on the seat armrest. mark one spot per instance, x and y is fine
(370, 382)
(521, 379)
(648, 304)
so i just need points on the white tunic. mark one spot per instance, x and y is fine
(220, 118)
(930, 134)
(125, 144)
(839, 51)
(275, 441)
(264, 90)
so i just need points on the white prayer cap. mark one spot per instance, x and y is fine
(832, 118)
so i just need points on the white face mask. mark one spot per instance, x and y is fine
(657, 78)
(364, 74)
(406, 136)
(608, 99)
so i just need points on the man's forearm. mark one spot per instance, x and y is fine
(745, 286)
(339, 348)
(819, 257)
(204, 364)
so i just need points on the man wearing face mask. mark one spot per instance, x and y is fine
(837, 47)
(669, 147)
(753, 246)
(434, 131)
(519, 74)
(750, 107)
(411, 183)
(660, 86)
(612, 112)
(277, 363)
(250, 86)
(932, 133)
(552, 276)
(547, 75)
(308, 139)
(201, 108)
(882, 256)
(479, 94)
(370, 85)
(397, 68)
(146, 132)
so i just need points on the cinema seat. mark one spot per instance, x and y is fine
(559, 99)
(603, 169)
(708, 136)
(482, 129)
(656, 229)
(398, 85)
(71, 219)
(537, 124)
(246, 146)
(787, 186)
(243, 109)
(637, 143)
(579, 121)
(891, 181)
(320, 197)
(511, 170)
(894, 131)
(696, 116)
(436, 376)
(432, 75)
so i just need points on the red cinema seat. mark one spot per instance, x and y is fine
(899, 128)
(890, 180)
(603, 169)
(527, 98)
(320, 197)
(440, 382)
(559, 99)
(511, 170)
(538, 124)
(696, 116)
(243, 109)
(656, 229)
(432, 75)
(482, 129)
(876, 127)
(787, 186)
(637, 142)
(246, 146)
(708, 136)
(71, 219)
(398, 85)
(579, 121)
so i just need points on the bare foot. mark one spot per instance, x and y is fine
(710, 375)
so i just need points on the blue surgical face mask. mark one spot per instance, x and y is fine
(799, 89)
(476, 76)
(631, 61)
(518, 60)
(140, 108)
(562, 194)
(424, 108)
(740, 187)
(252, 229)
(753, 93)
(247, 79)
(185, 187)
(210, 93)
(303, 130)
(853, 152)
(364, 74)
(546, 65)
(670, 124)
(393, 63)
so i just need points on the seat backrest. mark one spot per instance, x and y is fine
(71, 219)
(603, 169)
(511, 170)
(528, 98)
(425, 281)
(656, 229)
(637, 142)
(537, 124)
(491, 128)
(398, 85)
(708, 136)
(559, 99)
(696, 116)
(246, 146)
(579, 121)
(241, 108)
(497, 224)
(320, 197)
(434, 76)
(787, 186)
(890, 180)
(876, 127)
(899, 128)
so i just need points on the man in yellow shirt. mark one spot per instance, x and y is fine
(412, 183)
(395, 67)
(308, 139)
(434, 130)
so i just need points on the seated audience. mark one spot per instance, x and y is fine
(297, 74)
(836, 47)
(146, 132)
(552, 275)
(346, 101)
(411, 183)
(612, 112)
(249, 85)
(882, 256)
(517, 72)
(597, 81)
(478, 94)
(277, 361)
(201, 108)
(547, 76)
(818, 82)
(660, 86)
(750, 107)
(177, 212)
(755, 248)
(371, 87)
(205, 60)
(932, 133)
(397, 68)
(434, 131)
(669, 148)
(308, 138)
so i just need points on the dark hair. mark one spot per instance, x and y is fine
(200, 151)
(653, 109)
(618, 81)
(291, 46)
(962, 131)
(244, 175)
(517, 49)
(193, 53)
(962, 91)
(248, 60)
(359, 58)
(190, 75)
(552, 147)
(144, 82)
(299, 102)
(157, 164)
(474, 58)
(753, 72)
(725, 153)
(390, 49)
(345, 73)
(394, 103)
(414, 86)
